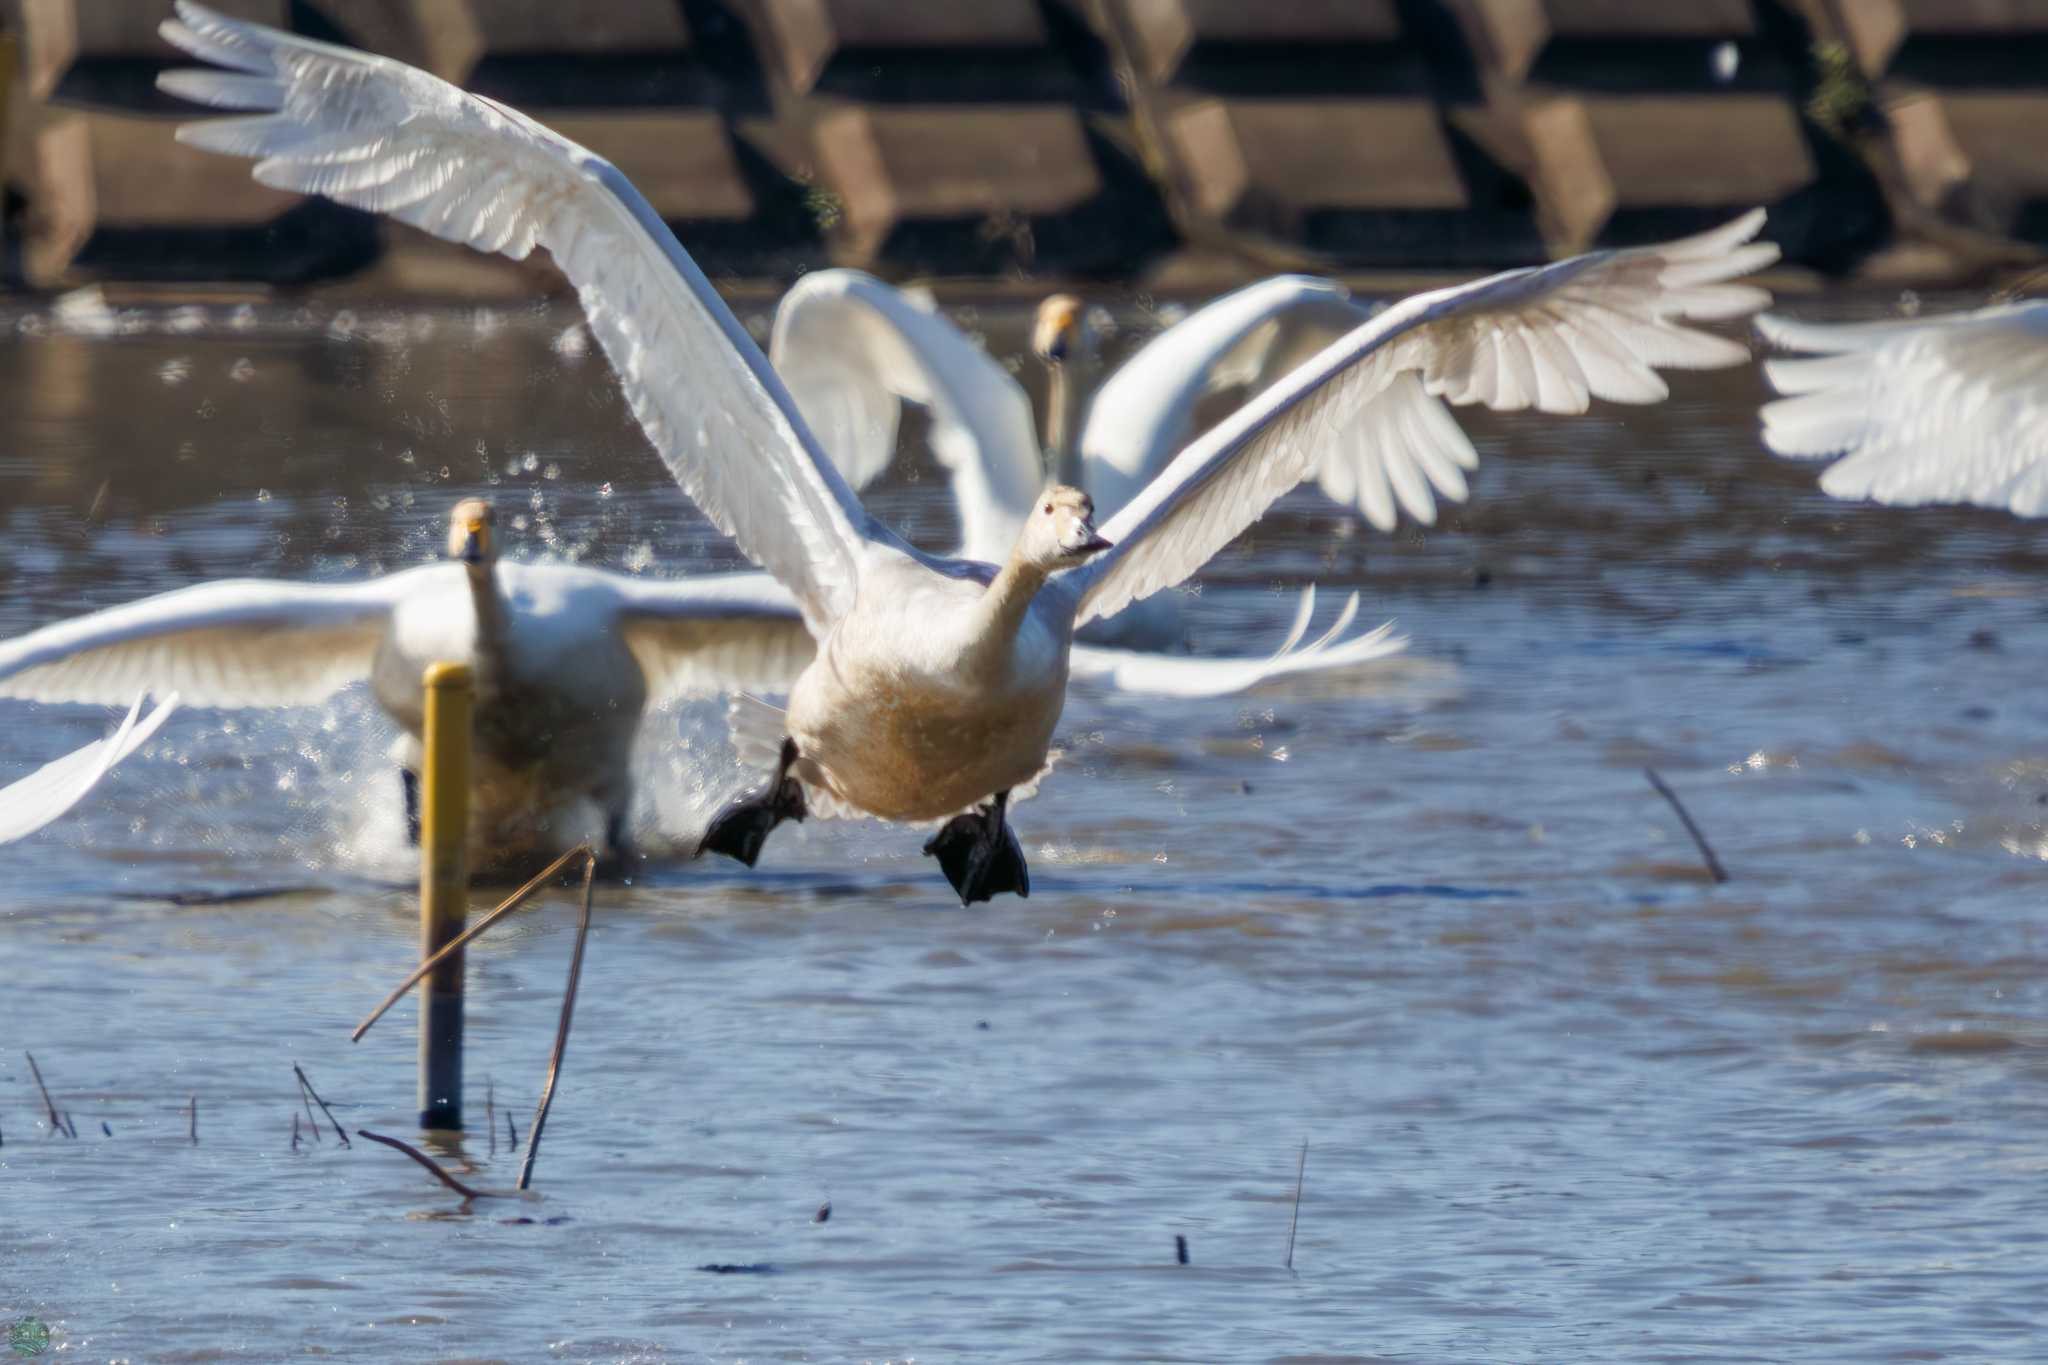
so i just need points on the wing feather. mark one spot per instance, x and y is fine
(703, 636)
(1926, 410)
(470, 170)
(34, 801)
(1471, 342)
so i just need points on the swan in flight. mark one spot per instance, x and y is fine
(565, 658)
(852, 349)
(34, 801)
(1920, 410)
(938, 680)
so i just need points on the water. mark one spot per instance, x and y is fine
(1564, 1098)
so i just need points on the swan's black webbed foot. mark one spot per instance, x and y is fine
(411, 781)
(980, 855)
(741, 828)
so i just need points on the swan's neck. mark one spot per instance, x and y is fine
(1003, 608)
(1063, 423)
(489, 607)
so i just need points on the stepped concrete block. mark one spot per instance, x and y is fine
(441, 36)
(1164, 32)
(681, 159)
(1516, 32)
(889, 167)
(1876, 30)
(1597, 156)
(1985, 142)
(57, 35)
(806, 35)
(589, 28)
(1277, 161)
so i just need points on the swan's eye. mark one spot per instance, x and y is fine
(1048, 509)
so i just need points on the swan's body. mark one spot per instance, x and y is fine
(565, 661)
(1952, 408)
(940, 676)
(852, 348)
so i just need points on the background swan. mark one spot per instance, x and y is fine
(852, 349)
(1921, 410)
(919, 650)
(566, 660)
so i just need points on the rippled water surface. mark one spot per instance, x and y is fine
(1564, 1099)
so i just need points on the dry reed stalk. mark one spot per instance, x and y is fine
(547, 1092)
(56, 1119)
(417, 1155)
(307, 1086)
(1714, 868)
(1300, 1169)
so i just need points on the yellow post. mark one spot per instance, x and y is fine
(444, 888)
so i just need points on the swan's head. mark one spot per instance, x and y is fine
(1060, 332)
(469, 532)
(1060, 532)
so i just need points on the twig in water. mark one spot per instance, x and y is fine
(547, 1091)
(1300, 1168)
(195, 1121)
(491, 1112)
(511, 1133)
(56, 1119)
(1180, 1248)
(1714, 868)
(106, 1128)
(312, 1123)
(417, 1155)
(70, 1125)
(295, 1130)
(307, 1086)
(504, 908)
(824, 1213)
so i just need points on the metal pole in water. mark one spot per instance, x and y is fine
(444, 887)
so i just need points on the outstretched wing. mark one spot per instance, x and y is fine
(726, 633)
(1142, 415)
(235, 643)
(1146, 673)
(1942, 409)
(34, 801)
(380, 135)
(852, 349)
(1551, 338)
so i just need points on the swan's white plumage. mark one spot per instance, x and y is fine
(1550, 337)
(34, 801)
(1923, 410)
(852, 349)
(377, 134)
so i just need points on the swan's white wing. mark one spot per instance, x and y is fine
(1143, 673)
(1944, 409)
(380, 135)
(698, 637)
(1143, 413)
(852, 349)
(34, 801)
(1550, 338)
(235, 643)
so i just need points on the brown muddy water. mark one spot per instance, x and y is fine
(1564, 1099)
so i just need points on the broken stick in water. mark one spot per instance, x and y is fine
(307, 1086)
(417, 1155)
(56, 1119)
(1300, 1168)
(491, 1112)
(1714, 868)
(194, 1126)
(504, 908)
(547, 1091)
(295, 1130)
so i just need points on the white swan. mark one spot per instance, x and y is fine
(1921, 410)
(852, 348)
(566, 659)
(30, 803)
(938, 680)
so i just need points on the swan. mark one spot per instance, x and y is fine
(938, 680)
(1921, 410)
(565, 658)
(851, 349)
(31, 802)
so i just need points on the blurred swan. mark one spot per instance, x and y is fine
(34, 801)
(852, 349)
(566, 659)
(938, 681)
(1920, 410)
